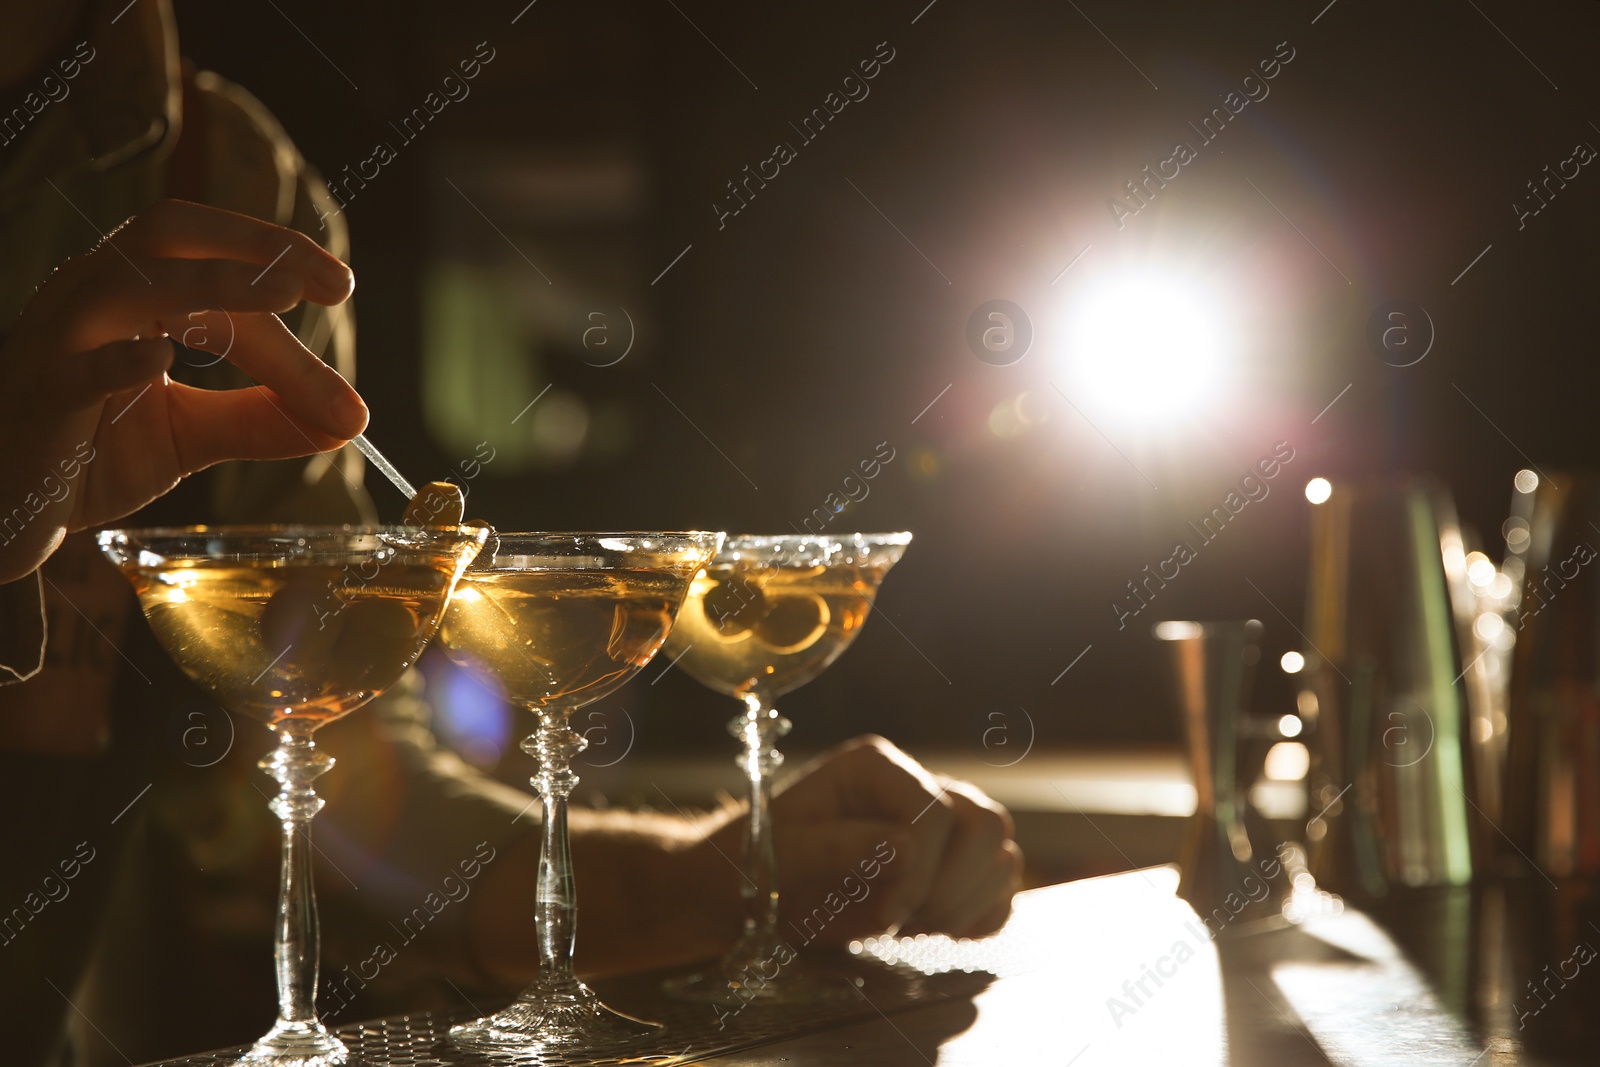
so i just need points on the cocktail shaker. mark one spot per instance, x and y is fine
(1552, 786)
(1394, 792)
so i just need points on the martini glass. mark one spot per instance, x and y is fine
(765, 617)
(563, 620)
(294, 626)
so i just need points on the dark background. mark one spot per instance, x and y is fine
(808, 330)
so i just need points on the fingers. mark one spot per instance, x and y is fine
(840, 884)
(83, 379)
(180, 230)
(954, 865)
(987, 904)
(305, 406)
(968, 875)
(157, 296)
(264, 348)
(871, 778)
(991, 921)
(212, 425)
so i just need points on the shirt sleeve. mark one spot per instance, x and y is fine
(22, 629)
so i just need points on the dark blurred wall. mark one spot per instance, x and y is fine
(820, 320)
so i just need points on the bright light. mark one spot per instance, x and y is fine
(1292, 663)
(1287, 761)
(1480, 572)
(1488, 626)
(1178, 631)
(1290, 725)
(1318, 490)
(1144, 346)
(1501, 587)
(1526, 481)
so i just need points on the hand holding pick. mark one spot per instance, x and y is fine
(91, 426)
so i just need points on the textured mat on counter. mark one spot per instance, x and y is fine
(690, 1032)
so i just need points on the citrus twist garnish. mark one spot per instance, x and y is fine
(734, 607)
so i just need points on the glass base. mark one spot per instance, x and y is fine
(298, 1045)
(735, 984)
(557, 1020)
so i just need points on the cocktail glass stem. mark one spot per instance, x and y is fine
(759, 728)
(762, 967)
(558, 1011)
(554, 747)
(298, 1038)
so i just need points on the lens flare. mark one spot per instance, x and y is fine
(1144, 346)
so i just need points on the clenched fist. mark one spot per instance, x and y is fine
(940, 852)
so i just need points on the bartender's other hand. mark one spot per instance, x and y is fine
(869, 842)
(91, 428)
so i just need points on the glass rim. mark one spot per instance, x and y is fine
(536, 535)
(273, 529)
(598, 550)
(791, 551)
(282, 544)
(900, 537)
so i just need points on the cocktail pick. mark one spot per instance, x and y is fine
(370, 450)
(435, 504)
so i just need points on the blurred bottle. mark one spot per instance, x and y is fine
(1394, 793)
(1552, 735)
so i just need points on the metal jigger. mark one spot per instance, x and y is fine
(1212, 664)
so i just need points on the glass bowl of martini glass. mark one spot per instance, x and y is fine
(765, 617)
(294, 626)
(563, 620)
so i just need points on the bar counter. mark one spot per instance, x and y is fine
(1118, 970)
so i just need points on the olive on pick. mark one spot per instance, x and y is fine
(436, 504)
(301, 623)
(376, 644)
